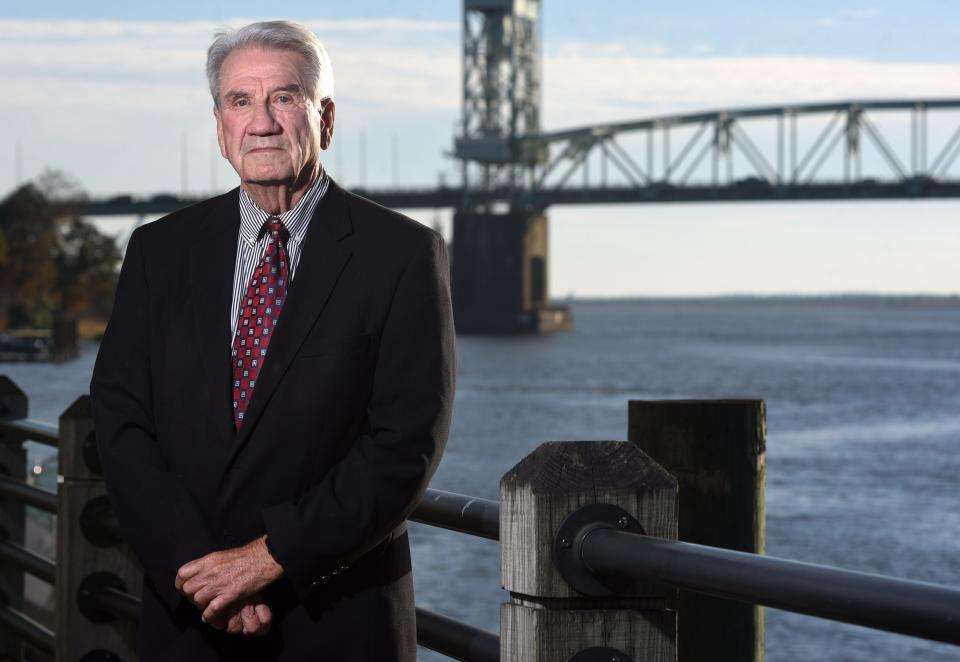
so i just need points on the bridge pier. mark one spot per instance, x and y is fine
(500, 274)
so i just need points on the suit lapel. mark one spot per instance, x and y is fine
(322, 260)
(211, 258)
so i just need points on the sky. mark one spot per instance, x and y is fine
(113, 94)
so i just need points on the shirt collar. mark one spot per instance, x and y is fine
(296, 220)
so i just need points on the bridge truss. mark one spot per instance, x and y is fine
(877, 149)
(803, 151)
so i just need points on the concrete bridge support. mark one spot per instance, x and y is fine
(500, 274)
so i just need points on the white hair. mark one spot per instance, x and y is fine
(283, 35)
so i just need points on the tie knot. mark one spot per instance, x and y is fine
(275, 228)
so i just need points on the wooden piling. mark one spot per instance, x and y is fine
(547, 619)
(13, 464)
(716, 451)
(82, 553)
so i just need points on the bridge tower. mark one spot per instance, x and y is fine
(499, 240)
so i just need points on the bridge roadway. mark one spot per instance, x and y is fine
(778, 172)
(750, 190)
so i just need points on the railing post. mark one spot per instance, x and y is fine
(13, 463)
(716, 450)
(87, 556)
(547, 618)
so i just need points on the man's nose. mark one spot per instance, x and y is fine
(263, 123)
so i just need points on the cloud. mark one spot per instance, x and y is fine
(125, 65)
(587, 49)
(830, 22)
(72, 84)
(114, 29)
(585, 89)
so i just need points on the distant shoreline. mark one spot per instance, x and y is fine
(950, 299)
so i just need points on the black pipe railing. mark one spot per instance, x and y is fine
(434, 631)
(455, 639)
(28, 629)
(458, 512)
(114, 601)
(23, 558)
(17, 490)
(906, 607)
(902, 606)
(24, 429)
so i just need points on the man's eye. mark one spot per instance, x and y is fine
(284, 99)
(241, 103)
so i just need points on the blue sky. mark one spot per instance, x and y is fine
(919, 31)
(113, 93)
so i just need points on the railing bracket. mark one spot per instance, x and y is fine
(91, 586)
(92, 518)
(600, 654)
(569, 540)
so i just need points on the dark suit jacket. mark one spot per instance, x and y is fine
(345, 427)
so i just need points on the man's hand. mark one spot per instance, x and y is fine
(217, 580)
(250, 616)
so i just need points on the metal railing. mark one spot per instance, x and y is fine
(918, 609)
(435, 631)
(598, 549)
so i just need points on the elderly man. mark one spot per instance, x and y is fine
(274, 389)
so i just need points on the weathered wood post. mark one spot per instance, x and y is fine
(13, 464)
(89, 556)
(64, 338)
(547, 619)
(716, 450)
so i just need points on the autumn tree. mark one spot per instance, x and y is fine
(51, 260)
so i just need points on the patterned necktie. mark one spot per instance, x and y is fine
(258, 316)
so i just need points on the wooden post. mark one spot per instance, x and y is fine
(64, 339)
(81, 552)
(716, 451)
(547, 620)
(13, 464)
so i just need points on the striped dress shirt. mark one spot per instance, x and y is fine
(251, 246)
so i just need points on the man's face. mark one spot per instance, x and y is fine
(268, 128)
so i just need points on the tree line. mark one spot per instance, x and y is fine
(53, 263)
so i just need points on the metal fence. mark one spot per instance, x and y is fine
(572, 542)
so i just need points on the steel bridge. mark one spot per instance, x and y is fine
(772, 153)
(513, 171)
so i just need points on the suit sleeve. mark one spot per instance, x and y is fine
(158, 517)
(382, 478)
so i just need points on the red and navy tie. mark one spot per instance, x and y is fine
(258, 316)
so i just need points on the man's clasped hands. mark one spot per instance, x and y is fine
(226, 587)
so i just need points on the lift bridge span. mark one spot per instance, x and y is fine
(512, 170)
(768, 153)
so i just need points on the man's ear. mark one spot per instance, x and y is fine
(328, 113)
(220, 141)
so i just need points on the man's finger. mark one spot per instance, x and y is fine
(216, 607)
(203, 596)
(190, 586)
(186, 571)
(251, 624)
(265, 616)
(263, 613)
(236, 625)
